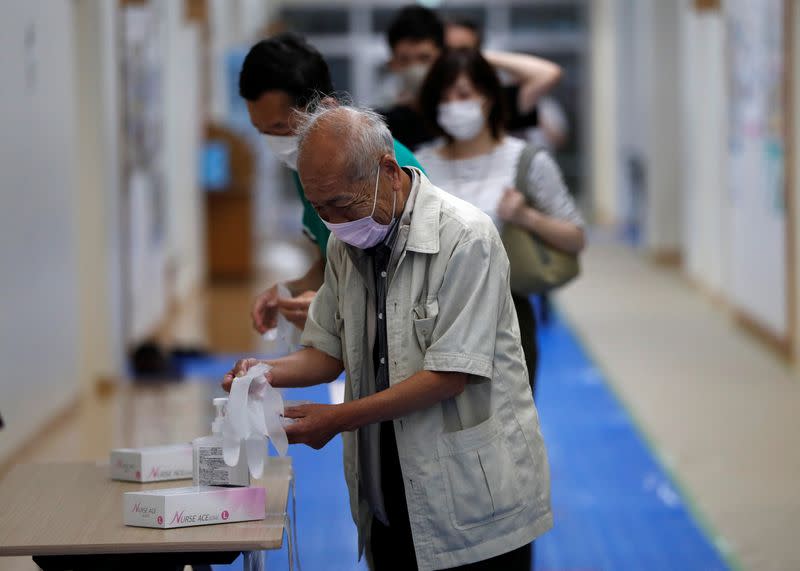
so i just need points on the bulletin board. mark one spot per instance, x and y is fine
(760, 270)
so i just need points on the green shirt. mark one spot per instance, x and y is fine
(312, 223)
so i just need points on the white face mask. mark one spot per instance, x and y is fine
(285, 148)
(365, 232)
(411, 80)
(462, 120)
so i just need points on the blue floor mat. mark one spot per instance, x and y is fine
(616, 508)
(212, 367)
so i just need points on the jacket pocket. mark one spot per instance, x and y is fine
(424, 321)
(479, 475)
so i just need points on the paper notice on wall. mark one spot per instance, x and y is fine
(756, 161)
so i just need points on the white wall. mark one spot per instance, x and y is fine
(633, 23)
(734, 232)
(703, 112)
(795, 19)
(98, 190)
(253, 17)
(232, 23)
(39, 305)
(647, 119)
(661, 80)
(603, 149)
(182, 137)
(167, 257)
(222, 33)
(145, 186)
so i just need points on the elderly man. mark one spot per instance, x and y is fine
(443, 456)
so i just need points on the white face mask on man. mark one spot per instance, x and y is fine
(365, 232)
(285, 149)
(411, 79)
(462, 120)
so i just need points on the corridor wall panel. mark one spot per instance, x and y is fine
(39, 317)
(757, 120)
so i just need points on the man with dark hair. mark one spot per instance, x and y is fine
(416, 38)
(279, 76)
(285, 64)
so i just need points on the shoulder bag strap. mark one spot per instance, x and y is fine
(522, 180)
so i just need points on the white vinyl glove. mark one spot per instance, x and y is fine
(254, 414)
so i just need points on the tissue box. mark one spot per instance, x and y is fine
(152, 464)
(196, 505)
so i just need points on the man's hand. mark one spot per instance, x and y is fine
(511, 205)
(239, 369)
(315, 424)
(295, 309)
(265, 310)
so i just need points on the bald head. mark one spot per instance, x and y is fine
(344, 137)
(341, 150)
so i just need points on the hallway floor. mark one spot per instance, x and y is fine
(718, 408)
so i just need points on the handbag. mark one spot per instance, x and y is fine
(536, 266)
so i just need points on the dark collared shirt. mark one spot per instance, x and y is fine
(383, 508)
(380, 255)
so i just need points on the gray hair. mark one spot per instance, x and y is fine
(364, 136)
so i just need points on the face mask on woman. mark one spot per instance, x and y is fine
(462, 120)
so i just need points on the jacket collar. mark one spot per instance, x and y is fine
(423, 234)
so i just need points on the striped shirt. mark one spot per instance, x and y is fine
(481, 180)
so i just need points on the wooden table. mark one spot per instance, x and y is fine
(70, 516)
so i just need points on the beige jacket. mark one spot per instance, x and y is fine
(475, 469)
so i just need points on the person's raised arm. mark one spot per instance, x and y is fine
(303, 368)
(534, 75)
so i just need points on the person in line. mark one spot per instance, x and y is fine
(476, 160)
(547, 124)
(279, 76)
(443, 455)
(416, 39)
